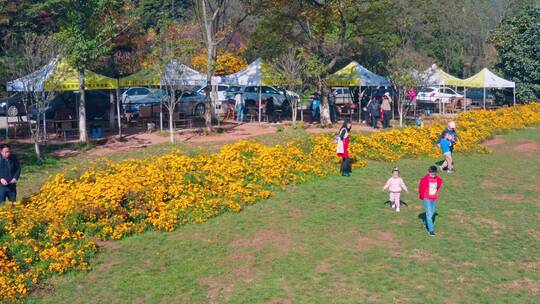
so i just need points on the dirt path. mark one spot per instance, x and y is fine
(231, 132)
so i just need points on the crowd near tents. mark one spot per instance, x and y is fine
(59, 76)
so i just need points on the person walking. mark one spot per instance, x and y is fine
(270, 111)
(387, 109)
(239, 106)
(342, 150)
(395, 185)
(316, 109)
(332, 106)
(428, 192)
(10, 171)
(446, 144)
(374, 108)
(450, 129)
(364, 101)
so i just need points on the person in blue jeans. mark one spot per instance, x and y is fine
(446, 149)
(428, 192)
(239, 106)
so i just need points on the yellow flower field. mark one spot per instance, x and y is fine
(55, 230)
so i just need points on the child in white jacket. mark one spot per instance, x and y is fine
(395, 185)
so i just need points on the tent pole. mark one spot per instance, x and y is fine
(514, 95)
(160, 112)
(464, 99)
(484, 98)
(7, 124)
(260, 101)
(118, 110)
(359, 103)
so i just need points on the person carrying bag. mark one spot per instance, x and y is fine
(342, 149)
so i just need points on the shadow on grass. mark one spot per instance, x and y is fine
(422, 216)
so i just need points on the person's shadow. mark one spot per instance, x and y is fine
(422, 216)
(402, 203)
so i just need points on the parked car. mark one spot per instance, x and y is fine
(252, 94)
(97, 105)
(437, 94)
(134, 93)
(343, 95)
(191, 103)
(12, 105)
(476, 96)
(221, 92)
(133, 104)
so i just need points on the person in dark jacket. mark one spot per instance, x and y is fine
(10, 171)
(332, 106)
(270, 111)
(374, 108)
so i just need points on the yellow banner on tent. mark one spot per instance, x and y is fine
(66, 78)
(450, 80)
(346, 77)
(148, 77)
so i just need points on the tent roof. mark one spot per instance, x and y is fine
(354, 74)
(256, 73)
(487, 79)
(173, 73)
(59, 75)
(437, 77)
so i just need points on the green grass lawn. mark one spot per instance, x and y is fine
(332, 240)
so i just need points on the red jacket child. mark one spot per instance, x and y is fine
(429, 187)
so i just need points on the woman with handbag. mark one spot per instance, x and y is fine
(342, 150)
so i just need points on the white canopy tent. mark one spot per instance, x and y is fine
(258, 73)
(435, 76)
(487, 79)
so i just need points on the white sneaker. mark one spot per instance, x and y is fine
(393, 206)
(397, 209)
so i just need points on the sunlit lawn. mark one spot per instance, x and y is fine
(332, 240)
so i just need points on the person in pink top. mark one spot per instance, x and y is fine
(395, 185)
(412, 95)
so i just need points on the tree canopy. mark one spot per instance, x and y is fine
(119, 37)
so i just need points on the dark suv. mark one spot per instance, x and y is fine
(97, 105)
(12, 105)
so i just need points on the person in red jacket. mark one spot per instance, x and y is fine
(428, 192)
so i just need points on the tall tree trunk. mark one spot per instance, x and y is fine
(83, 134)
(112, 109)
(172, 104)
(210, 61)
(325, 109)
(34, 134)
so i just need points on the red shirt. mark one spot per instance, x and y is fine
(429, 187)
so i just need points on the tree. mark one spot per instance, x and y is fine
(85, 31)
(324, 30)
(226, 63)
(35, 53)
(403, 67)
(290, 66)
(516, 40)
(218, 20)
(174, 54)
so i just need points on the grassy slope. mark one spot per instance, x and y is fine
(332, 240)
